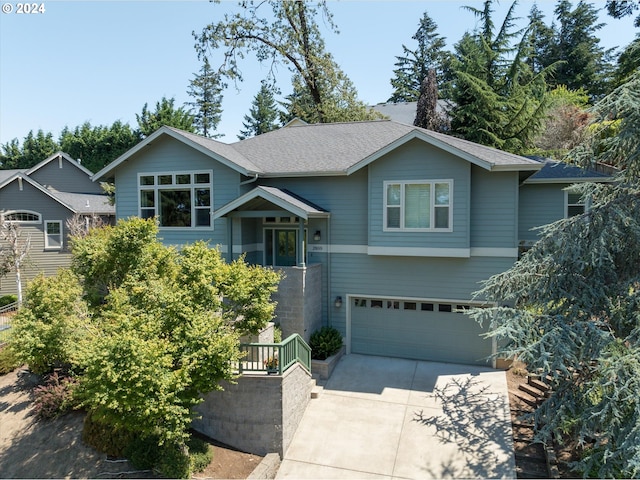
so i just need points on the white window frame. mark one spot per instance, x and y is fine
(432, 205)
(584, 202)
(47, 235)
(22, 222)
(192, 186)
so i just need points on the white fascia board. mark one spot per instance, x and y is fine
(569, 181)
(420, 252)
(56, 155)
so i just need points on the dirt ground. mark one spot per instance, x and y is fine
(54, 449)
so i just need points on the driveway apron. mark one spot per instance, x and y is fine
(383, 417)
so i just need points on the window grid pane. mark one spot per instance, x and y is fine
(417, 211)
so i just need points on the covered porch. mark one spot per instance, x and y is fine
(274, 228)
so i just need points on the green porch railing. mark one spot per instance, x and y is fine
(275, 357)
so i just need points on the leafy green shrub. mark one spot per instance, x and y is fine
(143, 452)
(55, 397)
(174, 461)
(107, 438)
(200, 452)
(146, 453)
(325, 342)
(47, 330)
(7, 300)
(8, 360)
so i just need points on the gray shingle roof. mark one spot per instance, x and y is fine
(334, 148)
(86, 202)
(554, 171)
(326, 149)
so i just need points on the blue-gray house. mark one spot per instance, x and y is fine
(383, 230)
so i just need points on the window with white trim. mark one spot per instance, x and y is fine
(575, 204)
(423, 205)
(181, 199)
(22, 216)
(53, 234)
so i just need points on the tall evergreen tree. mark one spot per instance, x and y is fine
(164, 114)
(497, 100)
(263, 115)
(623, 8)
(35, 148)
(569, 307)
(427, 114)
(10, 155)
(584, 64)
(206, 90)
(414, 65)
(99, 145)
(339, 104)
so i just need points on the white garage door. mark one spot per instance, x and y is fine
(422, 330)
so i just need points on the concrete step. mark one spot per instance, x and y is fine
(316, 391)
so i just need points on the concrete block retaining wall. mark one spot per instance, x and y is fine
(299, 298)
(259, 414)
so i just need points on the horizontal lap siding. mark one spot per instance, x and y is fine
(69, 178)
(345, 198)
(494, 208)
(170, 155)
(539, 205)
(39, 261)
(418, 161)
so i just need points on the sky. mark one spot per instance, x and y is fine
(100, 61)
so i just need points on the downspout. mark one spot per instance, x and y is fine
(251, 180)
(329, 303)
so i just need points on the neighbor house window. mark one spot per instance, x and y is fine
(53, 234)
(418, 205)
(22, 216)
(178, 199)
(575, 204)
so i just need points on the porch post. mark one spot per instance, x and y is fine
(301, 262)
(230, 239)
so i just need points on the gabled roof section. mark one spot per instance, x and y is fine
(219, 151)
(344, 148)
(59, 156)
(280, 198)
(21, 177)
(559, 172)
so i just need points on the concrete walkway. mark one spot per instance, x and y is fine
(403, 419)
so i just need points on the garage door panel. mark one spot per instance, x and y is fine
(448, 336)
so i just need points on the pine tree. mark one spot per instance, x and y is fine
(164, 114)
(569, 307)
(497, 100)
(205, 89)
(583, 62)
(414, 65)
(263, 114)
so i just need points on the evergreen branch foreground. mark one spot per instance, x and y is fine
(144, 329)
(570, 307)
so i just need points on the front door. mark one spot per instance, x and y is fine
(281, 247)
(285, 248)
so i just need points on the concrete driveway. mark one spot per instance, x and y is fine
(393, 418)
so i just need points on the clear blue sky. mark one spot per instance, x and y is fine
(101, 61)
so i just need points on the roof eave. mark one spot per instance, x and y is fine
(103, 174)
(37, 186)
(569, 180)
